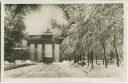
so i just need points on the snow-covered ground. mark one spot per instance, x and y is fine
(64, 69)
(18, 62)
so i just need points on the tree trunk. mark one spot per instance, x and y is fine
(88, 58)
(10, 60)
(14, 56)
(83, 56)
(117, 56)
(75, 58)
(22, 53)
(80, 57)
(103, 61)
(92, 59)
(105, 56)
(10, 57)
(106, 63)
(96, 59)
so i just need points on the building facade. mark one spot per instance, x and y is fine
(45, 47)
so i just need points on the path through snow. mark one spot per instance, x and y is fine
(64, 69)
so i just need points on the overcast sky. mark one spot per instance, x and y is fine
(38, 22)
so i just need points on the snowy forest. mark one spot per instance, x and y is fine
(93, 39)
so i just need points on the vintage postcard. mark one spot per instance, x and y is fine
(64, 40)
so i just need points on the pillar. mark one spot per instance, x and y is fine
(43, 52)
(53, 51)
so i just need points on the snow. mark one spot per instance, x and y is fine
(111, 71)
(18, 62)
(65, 69)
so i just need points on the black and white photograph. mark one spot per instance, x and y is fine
(64, 40)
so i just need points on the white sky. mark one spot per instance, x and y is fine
(38, 22)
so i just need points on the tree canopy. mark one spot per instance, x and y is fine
(14, 26)
(93, 27)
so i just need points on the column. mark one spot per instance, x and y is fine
(43, 52)
(53, 51)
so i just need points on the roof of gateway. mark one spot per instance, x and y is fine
(46, 37)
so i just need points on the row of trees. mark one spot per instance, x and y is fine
(14, 27)
(94, 31)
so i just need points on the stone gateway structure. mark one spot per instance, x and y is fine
(45, 48)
